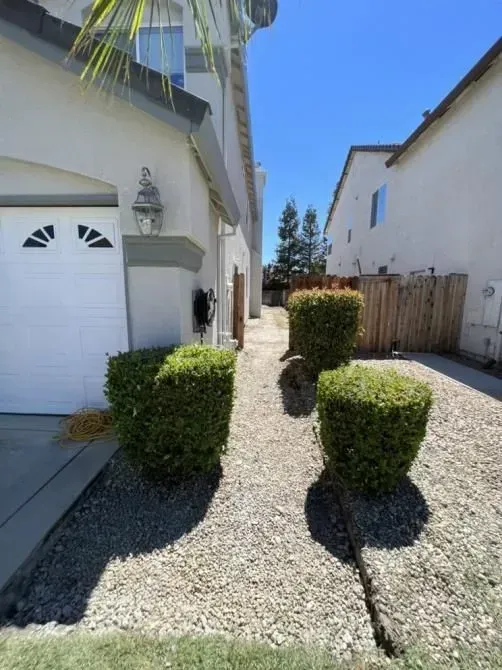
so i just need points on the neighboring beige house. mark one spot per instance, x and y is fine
(77, 279)
(433, 204)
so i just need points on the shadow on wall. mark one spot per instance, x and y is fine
(297, 388)
(124, 515)
(393, 520)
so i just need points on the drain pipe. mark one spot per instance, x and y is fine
(224, 334)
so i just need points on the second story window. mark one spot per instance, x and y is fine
(378, 206)
(159, 48)
(349, 235)
(330, 248)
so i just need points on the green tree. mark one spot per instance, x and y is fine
(320, 265)
(310, 242)
(287, 252)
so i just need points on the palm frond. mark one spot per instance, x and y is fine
(108, 36)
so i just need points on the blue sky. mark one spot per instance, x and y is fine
(329, 73)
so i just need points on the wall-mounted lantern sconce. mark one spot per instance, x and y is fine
(147, 207)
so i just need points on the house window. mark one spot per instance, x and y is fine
(330, 248)
(382, 269)
(378, 206)
(349, 235)
(159, 48)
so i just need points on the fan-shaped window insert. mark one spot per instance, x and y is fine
(93, 238)
(40, 238)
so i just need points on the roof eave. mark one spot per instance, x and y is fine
(241, 101)
(475, 73)
(364, 148)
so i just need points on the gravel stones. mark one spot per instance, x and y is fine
(433, 550)
(257, 552)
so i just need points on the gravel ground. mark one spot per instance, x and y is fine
(434, 549)
(260, 553)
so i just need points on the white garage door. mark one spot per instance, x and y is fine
(62, 307)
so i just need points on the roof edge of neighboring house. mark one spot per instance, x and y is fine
(475, 73)
(368, 148)
(34, 28)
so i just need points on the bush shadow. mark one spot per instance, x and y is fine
(325, 520)
(123, 515)
(391, 521)
(298, 389)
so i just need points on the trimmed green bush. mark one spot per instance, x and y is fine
(324, 326)
(372, 423)
(171, 407)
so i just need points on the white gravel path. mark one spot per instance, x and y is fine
(266, 558)
(434, 549)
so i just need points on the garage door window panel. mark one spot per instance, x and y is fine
(40, 238)
(93, 238)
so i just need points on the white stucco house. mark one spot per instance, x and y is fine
(433, 204)
(77, 278)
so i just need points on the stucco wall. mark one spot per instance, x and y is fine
(63, 140)
(72, 119)
(366, 174)
(154, 306)
(21, 178)
(255, 298)
(205, 85)
(205, 228)
(237, 248)
(52, 121)
(444, 208)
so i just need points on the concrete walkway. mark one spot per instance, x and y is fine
(475, 379)
(39, 481)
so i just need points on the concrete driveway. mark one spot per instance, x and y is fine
(39, 482)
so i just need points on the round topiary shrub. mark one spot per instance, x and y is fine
(324, 326)
(372, 422)
(171, 408)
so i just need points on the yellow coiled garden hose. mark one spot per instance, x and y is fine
(86, 425)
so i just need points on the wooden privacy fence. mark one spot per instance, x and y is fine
(404, 313)
(321, 281)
